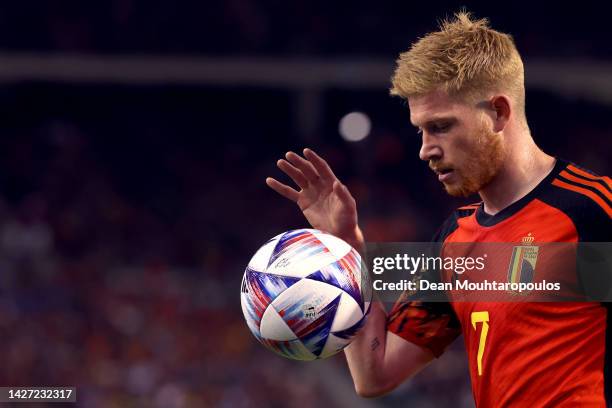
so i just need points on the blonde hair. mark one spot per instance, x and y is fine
(465, 58)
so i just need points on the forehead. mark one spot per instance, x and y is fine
(432, 105)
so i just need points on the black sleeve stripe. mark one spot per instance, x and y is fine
(594, 180)
(587, 187)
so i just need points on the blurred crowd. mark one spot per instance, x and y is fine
(134, 301)
(274, 27)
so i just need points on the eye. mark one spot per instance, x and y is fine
(441, 127)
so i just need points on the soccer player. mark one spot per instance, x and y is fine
(465, 89)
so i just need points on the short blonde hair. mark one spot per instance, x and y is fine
(464, 58)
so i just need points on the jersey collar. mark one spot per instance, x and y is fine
(487, 220)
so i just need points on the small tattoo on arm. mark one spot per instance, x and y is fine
(375, 343)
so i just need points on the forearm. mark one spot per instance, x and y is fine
(366, 354)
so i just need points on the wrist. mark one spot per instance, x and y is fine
(355, 239)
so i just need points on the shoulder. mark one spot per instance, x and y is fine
(452, 222)
(585, 197)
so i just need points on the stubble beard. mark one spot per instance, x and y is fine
(485, 161)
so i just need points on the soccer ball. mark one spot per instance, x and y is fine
(304, 294)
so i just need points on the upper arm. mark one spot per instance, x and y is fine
(430, 325)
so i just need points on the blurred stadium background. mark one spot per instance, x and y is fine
(134, 143)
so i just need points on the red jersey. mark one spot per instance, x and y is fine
(527, 354)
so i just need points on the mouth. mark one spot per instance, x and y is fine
(444, 174)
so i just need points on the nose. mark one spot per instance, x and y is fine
(430, 150)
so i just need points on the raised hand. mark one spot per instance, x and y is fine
(325, 201)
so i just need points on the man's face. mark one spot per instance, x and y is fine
(458, 142)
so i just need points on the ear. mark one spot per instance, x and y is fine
(502, 109)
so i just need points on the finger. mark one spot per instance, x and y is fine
(304, 166)
(282, 189)
(319, 164)
(292, 172)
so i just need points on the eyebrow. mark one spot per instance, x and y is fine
(436, 119)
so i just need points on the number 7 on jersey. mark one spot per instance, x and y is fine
(481, 317)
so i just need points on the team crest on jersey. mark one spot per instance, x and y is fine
(523, 261)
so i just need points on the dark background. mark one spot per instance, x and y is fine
(129, 208)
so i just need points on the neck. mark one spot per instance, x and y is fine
(521, 172)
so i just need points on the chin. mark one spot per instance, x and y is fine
(457, 191)
(460, 189)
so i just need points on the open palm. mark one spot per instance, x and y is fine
(325, 201)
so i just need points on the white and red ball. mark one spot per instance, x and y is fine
(304, 294)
